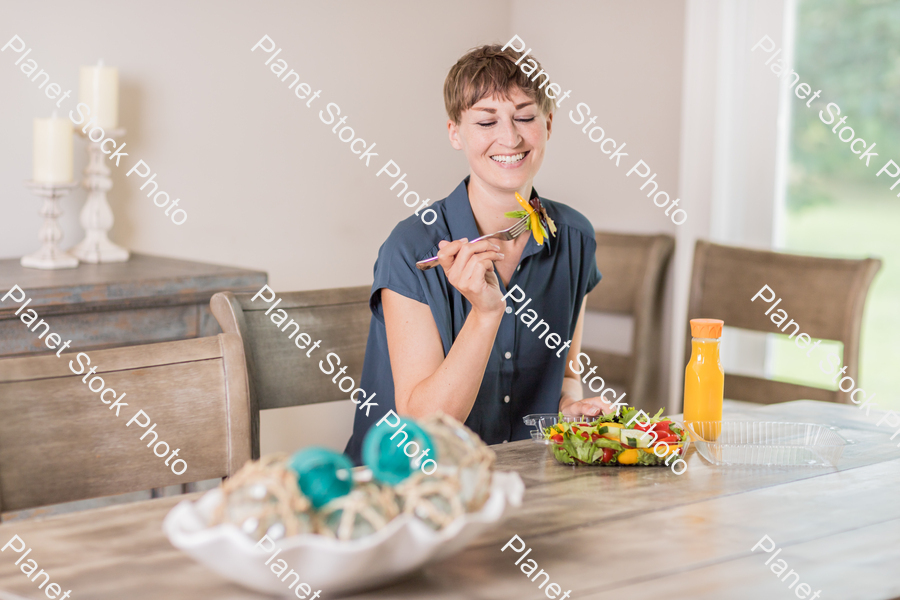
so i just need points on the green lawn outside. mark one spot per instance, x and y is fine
(859, 221)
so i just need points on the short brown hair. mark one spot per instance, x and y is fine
(486, 72)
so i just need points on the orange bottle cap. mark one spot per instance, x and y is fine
(706, 328)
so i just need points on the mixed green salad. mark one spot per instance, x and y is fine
(607, 440)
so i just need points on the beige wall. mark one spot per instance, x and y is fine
(267, 185)
(624, 61)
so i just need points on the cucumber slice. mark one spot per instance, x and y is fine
(635, 438)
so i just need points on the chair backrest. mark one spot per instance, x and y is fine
(62, 441)
(634, 272)
(281, 373)
(824, 296)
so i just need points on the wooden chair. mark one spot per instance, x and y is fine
(60, 443)
(825, 296)
(634, 272)
(280, 373)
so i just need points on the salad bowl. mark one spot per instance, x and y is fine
(611, 440)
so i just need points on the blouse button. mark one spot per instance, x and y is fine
(508, 355)
(508, 309)
(505, 441)
(519, 268)
(506, 399)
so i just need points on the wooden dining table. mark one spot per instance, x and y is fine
(625, 533)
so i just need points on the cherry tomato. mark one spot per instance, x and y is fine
(642, 426)
(595, 437)
(607, 454)
(575, 428)
(662, 426)
(558, 438)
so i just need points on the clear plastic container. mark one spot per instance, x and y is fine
(543, 420)
(767, 443)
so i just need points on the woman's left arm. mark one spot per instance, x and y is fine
(571, 401)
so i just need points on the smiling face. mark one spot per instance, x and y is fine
(503, 140)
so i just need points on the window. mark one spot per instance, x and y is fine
(835, 205)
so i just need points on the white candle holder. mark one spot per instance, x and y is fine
(96, 216)
(50, 256)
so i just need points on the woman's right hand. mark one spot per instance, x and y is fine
(470, 269)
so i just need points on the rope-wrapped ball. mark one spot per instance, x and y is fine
(262, 498)
(462, 455)
(362, 512)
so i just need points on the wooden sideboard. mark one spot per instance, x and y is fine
(147, 299)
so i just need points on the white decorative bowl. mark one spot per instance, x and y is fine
(326, 564)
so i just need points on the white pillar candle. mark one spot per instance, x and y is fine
(52, 150)
(99, 89)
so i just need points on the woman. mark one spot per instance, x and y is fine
(460, 338)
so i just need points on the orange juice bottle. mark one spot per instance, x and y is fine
(704, 378)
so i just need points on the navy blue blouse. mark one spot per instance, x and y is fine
(525, 370)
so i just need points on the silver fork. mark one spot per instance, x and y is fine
(510, 233)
